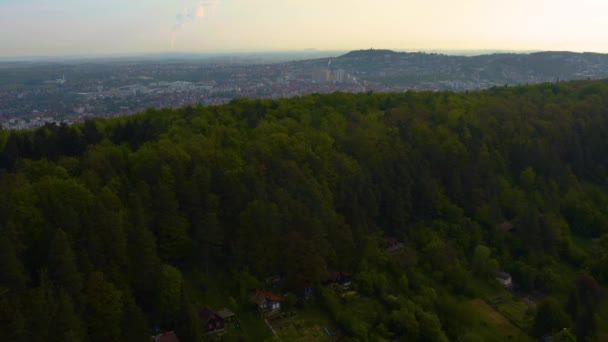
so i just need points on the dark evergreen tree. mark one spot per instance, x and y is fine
(550, 318)
(12, 272)
(62, 269)
(67, 325)
(104, 309)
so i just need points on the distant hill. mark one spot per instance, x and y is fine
(433, 71)
(368, 53)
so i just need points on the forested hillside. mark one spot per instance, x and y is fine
(114, 229)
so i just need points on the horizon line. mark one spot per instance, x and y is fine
(238, 52)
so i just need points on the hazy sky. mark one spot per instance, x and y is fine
(89, 27)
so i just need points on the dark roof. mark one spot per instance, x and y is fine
(336, 277)
(505, 227)
(391, 240)
(392, 243)
(273, 279)
(206, 314)
(166, 337)
(333, 277)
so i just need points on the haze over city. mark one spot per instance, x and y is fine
(91, 27)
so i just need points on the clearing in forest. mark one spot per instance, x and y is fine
(496, 326)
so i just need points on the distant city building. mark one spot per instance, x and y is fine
(340, 76)
(321, 75)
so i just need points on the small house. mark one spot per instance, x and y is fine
(392, 244)
(344, 279)
(212, 322)
(308, 292)
(227, 315)
(505, 227)
(274, 281)
(505, 279)
(560, 336)
(268, 301)
(166, 337)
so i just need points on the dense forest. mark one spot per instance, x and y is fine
(116, 229)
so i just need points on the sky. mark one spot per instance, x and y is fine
(120, 27)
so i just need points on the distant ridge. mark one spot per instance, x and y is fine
(442, 71)
(368, 53)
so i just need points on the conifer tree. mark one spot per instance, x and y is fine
(12, 273)
(62, 269)
(67, 326)
(104, 309)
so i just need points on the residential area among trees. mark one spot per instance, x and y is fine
(390, 215)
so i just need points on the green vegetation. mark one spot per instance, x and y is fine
(516, 311)
(113, 229)
(306, 325)
(493, 326)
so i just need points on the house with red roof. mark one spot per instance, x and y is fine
(268, 301)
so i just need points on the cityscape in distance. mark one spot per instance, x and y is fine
(53, 91)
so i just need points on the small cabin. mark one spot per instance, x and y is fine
(212, 322)
(227, 315)
(308, 292)
(166, 337)
(268, 301)
(344, 279)
(274, 281)
(505, 227)
(560, 336)
(392, 244)
(505, 279)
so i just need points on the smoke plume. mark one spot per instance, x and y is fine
(196, 11)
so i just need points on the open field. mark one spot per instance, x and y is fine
(492, 321)
(517, 312)
(306, 325)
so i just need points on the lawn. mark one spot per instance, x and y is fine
(494, 326)
(252, 328)
(489, 290)
(510, 307)
(516, 311)
(306, 325)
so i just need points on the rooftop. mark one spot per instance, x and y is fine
(166, 337)
(503, 275)
(225, 313)
(268, 296)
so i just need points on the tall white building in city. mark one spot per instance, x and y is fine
(340, 76)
